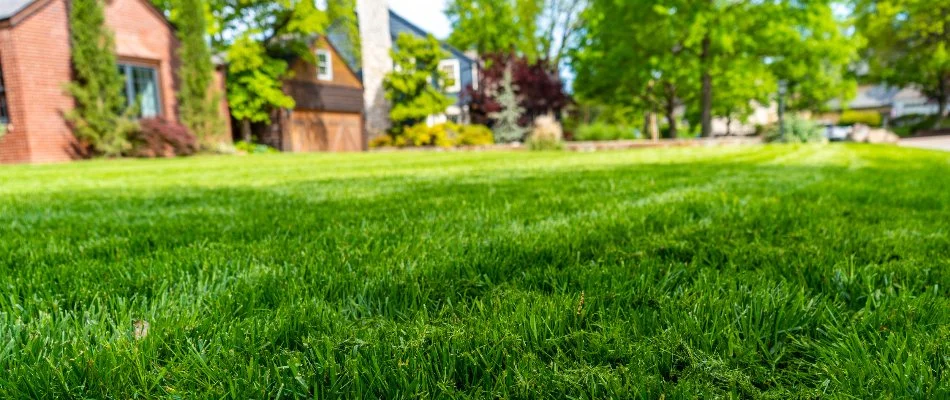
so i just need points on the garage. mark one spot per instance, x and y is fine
(317, 130)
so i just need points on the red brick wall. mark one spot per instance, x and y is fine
(34, 52)
(36, 66)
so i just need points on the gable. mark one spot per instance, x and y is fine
(305, 71)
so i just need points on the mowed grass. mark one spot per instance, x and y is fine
(740, 272)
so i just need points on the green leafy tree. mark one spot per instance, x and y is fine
(258, 36)
(908, 44)
(254, 84)
(531, 28)
(634, 56)
(806, 46)
(198, 100)
(97, 86)
(712, 56)
(413, 86)
(506, 121)
(343, 20)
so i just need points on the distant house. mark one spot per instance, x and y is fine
(379, 28)
(891, 102)
(328, 115)
(35, 65)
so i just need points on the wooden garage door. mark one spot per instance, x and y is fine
(324, 131)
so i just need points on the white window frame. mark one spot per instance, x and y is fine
(329, 56)
(475, 76)
(457, 79)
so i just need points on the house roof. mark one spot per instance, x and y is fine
(400, 21)
(879, 96)
(397, 25)
(9, 8)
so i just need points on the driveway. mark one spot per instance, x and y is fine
(931, 142)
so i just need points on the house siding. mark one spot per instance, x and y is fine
(36, 67)
(328, 114)
(36, 62)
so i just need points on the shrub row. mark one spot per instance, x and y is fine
(869, 118)
(602, 131)
(442, 135)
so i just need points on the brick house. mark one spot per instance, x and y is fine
(35, 66)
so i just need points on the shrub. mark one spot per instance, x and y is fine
(474, 135)
(869, 118)
(254, 148)
(600, 131)
(384, 140)
(797, 130)
(156, 137)
(442, 135)
(547, 134)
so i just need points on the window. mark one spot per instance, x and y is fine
(450, 69)
(141, 89)
(324, 65)
(4, 113)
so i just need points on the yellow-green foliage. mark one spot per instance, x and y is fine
(442, 135)
(381, 141)
(474, 135)
(852, 117)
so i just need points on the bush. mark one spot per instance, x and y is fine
(254, 148)
(156, 137)
(797, 130)
(869, 118)
(547, 134)
(474, 135)
(909, 125)
(601, 131)
(384, 140)
(442, 135)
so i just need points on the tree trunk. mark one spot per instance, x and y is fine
(654, 127)
(729, 125)
(246, 130)
(671, 110)
(707, 90)
(942, 102)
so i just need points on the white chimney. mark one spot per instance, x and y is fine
(376, 42)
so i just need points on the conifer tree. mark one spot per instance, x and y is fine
(197, 100)
(97, 119)
(506, 126)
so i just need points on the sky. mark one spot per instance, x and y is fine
(426, 14)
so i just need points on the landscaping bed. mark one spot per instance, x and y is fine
(790, 271)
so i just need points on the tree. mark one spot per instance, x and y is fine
(97, 85)
(507, 128)
(413, 86)
(258, 36)
(806, 46)
(535, 29)
(254, 84)
(198, 101)
(671, 53)
(635, 56)
(909, 44)
(540, 92)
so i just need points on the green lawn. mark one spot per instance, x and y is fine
(746, 272)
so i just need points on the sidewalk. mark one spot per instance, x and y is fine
(931, 142)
